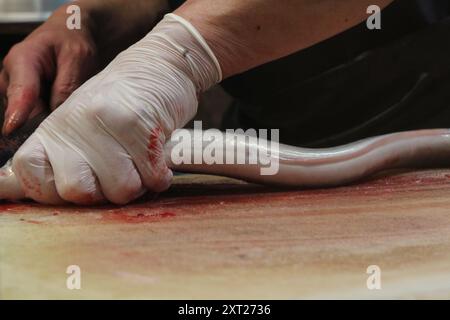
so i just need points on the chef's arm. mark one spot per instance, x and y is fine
(247, 33)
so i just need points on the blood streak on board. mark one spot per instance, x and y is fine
(136, 216)
(33, 221)
(13, 207)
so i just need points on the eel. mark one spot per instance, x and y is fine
(329, 167)
(297, 167)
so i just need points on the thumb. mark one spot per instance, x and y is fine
(9, 186)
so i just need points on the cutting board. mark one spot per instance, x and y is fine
(212, 237)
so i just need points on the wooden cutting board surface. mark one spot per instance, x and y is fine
(211, 237)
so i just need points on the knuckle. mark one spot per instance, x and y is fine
(160, 182)
(44, 36)
(15, 51)
(74, 191)
(124, 119)
(67, 88)
(22, 158)
(121, 120)
(126, 191)
(23, 164)
(18, 54)
(127, 194)
(27, 94)
(81, 49)
(96, 111)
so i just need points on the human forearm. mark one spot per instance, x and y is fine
(246, 33)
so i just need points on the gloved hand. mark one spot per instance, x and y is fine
(106, 141)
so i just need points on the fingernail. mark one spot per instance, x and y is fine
(10, 123)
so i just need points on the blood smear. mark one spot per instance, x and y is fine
(124, 216)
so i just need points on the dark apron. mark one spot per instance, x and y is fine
(343, 89)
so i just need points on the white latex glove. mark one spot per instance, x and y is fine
(106, 141)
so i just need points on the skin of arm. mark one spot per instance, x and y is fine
(246, 33)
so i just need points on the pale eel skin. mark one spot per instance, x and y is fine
(308, 168)
(311, 168)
